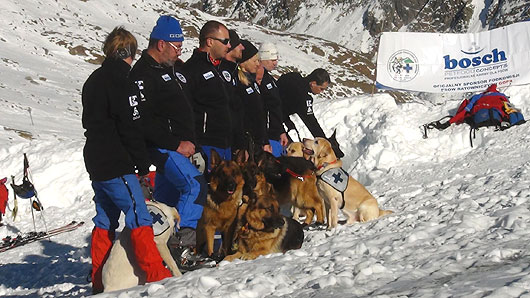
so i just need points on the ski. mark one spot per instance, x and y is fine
(19, 240)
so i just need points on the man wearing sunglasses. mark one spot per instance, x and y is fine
(207, 85)
(228, 68)
(169, 131)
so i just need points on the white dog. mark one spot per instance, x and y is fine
(121, 271)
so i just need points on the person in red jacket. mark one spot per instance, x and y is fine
(3, 198)
(113, 152)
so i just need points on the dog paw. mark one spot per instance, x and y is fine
(314, 227)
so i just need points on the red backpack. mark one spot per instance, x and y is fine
(490, 108)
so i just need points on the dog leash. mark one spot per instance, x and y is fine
(297, 176)
(294, 174)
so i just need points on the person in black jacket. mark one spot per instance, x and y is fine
(113, 151)
(208, 87)
(268, 55)
(169, 131)
(228, 68)
(254, 119)
(294, 93)
(296, 99)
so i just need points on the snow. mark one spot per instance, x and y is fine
(460, 221)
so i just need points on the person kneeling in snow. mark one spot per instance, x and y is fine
(169, 130)
(114, 148)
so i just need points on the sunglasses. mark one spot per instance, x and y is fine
(178, 49)
(223, 41)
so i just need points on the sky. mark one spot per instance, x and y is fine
(460, 221)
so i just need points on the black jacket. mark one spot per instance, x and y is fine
(273, 106)
(210, 99)
(166, 111)
(294, 93)
(254, 121)
(114, 145)
(237, 111)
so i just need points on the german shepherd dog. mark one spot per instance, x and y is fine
(294, 182)
(224, 198)
(263, 230)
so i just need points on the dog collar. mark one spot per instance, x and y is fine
(327, 164)
(246, 228)
(297, 176)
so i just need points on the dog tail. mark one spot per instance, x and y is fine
(385, 212)
(177, 217)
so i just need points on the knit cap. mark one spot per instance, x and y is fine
(268, 51)
(249, 51)
(234, 39)
(167, 28)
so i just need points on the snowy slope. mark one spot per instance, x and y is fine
(460, 226)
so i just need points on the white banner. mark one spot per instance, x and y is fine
(439, 63)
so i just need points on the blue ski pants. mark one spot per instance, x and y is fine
(120, 194)
(179, 184)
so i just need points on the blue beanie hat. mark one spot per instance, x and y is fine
(167, 28)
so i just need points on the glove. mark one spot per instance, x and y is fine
(147, 189)
(198, 161)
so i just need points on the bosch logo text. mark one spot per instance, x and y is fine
(494, 57)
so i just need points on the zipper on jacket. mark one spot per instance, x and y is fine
(204, 122)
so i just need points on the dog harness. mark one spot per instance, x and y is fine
(160, 222)
(338, 179)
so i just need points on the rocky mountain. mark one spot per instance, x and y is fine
(49, 48)
(356, 24)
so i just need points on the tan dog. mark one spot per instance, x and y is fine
(296, 149)
(121, 270)
(294, 182)
(224, 198)
(358, 204)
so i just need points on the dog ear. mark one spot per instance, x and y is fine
(322, 154)
(215, 159)
(241, 156)
(254, 218)
(261, 157)
(335, 145)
